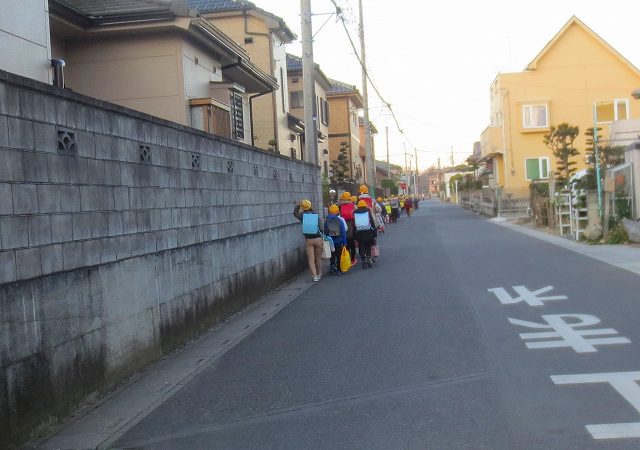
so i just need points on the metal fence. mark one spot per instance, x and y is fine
(489, 202)
(514, 207)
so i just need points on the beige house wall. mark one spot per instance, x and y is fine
(267, 51)
(339, 129)
(155, 73)
(145, 74)
(25, 39)
(344, 129)
(199, 71)
(282, 94)
(574, 74)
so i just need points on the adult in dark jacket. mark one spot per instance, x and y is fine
(365, 236)
(312, 241)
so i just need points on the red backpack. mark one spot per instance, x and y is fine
(367, 199)
(346, 211)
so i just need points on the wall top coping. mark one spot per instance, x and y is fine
(66, 94)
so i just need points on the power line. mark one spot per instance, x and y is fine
(341, 17)
(444, 150)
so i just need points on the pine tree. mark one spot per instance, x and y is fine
(610, 155)
(560, 140)
(340, 167)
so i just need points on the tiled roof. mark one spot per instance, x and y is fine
(383, 165)
(216, 6)
(205, 6)
(294, 62)
(338, 87)
(116, 7)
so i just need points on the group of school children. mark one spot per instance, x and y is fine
(352, 222)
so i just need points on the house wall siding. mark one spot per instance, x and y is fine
(119, 260)
(299, 112)
(265, 111)
(24, 39)
(144, 74)
(199, 71)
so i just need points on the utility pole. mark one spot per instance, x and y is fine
(597, 161)
(368, 156)
(416, 177)
(410, 175)
(439, 174)
(308, 84)
(386, 133)
(404, 145)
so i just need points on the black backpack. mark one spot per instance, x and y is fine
(333, 227)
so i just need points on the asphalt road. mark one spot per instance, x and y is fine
(418, 353)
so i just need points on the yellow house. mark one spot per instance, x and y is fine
(577, 76)
(344, 103)
(263, 36)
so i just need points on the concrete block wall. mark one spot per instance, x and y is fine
(122, 235)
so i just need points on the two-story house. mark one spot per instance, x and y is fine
(263, 36)
(158, 59)
(386, 171)
(296, 102)
(345, 102)
(576, 78)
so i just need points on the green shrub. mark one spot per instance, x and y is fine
(618, 235)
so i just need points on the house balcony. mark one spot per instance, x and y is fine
(624, 132)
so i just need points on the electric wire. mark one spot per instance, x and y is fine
(343, 20)
(341, 17)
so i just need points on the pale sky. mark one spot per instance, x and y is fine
(435, 61)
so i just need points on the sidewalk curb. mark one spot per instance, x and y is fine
(623, 257)
(102, 424)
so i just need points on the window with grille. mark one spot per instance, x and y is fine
(237, 116)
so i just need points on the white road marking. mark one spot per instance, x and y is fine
(625, 383)
(525, 295)
(567, 333)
